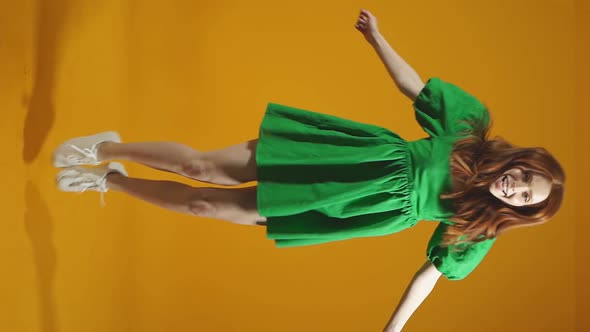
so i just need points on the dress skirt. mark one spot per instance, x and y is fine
(322, 178)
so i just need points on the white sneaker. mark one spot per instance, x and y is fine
(81, 179)
(82, 150)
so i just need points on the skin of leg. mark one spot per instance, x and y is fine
(233, 205)
(232, 165)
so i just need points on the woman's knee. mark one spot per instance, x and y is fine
(201, 205)
(198, 168)
(235, 205)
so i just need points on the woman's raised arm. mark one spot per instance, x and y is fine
(404, 76)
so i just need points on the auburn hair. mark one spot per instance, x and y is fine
(476, 162)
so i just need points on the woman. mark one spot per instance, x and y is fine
(322, 178)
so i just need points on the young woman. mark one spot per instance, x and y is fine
(322, 178)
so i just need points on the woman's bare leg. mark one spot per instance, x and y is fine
(234, 205)
(232, 165)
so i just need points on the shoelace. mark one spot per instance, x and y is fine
(89, 154)
(102, 186)
(101, 183)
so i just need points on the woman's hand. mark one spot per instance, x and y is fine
(367, 25)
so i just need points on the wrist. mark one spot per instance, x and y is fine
(374, 38)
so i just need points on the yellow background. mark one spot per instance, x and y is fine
(201, 73)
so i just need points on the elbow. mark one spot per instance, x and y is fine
(428, 273)
(411, 88)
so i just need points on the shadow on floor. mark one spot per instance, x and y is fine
(39, 229)
(50, 18)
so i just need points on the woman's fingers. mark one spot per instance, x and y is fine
(367, 18)
(366, 21)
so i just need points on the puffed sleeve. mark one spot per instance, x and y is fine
(441, 108)
(456, 265)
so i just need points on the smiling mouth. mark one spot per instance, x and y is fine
(505, 185)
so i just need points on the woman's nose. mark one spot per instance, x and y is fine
(519, 186)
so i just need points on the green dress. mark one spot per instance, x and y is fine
(322, 178)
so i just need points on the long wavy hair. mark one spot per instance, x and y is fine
(476, 162)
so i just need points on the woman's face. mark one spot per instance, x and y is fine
(519, 188)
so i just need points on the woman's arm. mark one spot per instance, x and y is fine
(404, 76)
(421, 285)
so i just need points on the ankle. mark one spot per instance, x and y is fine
(113, 180)
(103, 151)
